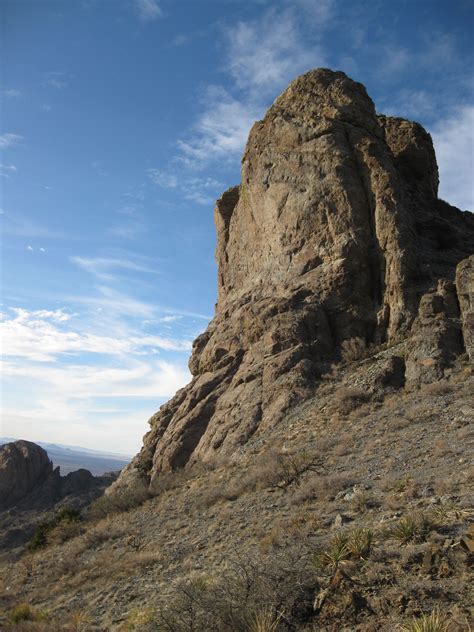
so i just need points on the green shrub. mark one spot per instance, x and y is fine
(64, 518)
(24, 612)
(118, 502)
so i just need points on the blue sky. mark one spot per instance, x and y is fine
(122, 122)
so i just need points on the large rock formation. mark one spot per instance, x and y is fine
(28, 479)
(334, 234)
(23, 466)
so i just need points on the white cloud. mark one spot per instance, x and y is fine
(453, 139)
(30, 248)
(148, 10)
(222, 129)
(266, 54)
(88, 405)
(261, 57)
(42, 336)
(116, 303)
(8, 139)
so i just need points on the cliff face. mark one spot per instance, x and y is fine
(335, 234)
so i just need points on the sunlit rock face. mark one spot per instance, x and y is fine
(334, 233)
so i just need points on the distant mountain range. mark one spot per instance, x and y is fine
(71, 458)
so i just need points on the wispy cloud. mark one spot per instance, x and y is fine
(9, 139)
(260, 57)
(453, 139)
(7, 170)
(148, 10)
(200, 190)
(43, 336)
(101, 267)
(221, 130)
(93, 405)
(265, 54)
(11, 93)
(56, 79)
(24, 227)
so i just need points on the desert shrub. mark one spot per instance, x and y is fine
(24, 612)
(256, 592)
(140, 620)
(362, 500)
(120, 501)
(349, 399)
(64, 525)
(281, 469)
(320, 487)
(434, 622)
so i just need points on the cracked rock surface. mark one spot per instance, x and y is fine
(334, 234)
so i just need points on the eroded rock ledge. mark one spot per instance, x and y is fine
(335, 233)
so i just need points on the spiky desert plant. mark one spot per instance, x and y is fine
(433, 622)
(359, 542)
(411, 527)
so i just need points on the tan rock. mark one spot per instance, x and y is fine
(334, 233)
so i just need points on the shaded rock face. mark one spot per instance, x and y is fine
(29, 481)
(23, 466)
(335, 233)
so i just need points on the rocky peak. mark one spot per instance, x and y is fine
(334, 234)
(23, 466)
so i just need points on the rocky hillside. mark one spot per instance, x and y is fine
(334, 238)
(316, 474)
(31, 488)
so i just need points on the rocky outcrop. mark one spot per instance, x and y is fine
(465, 292)
(334, 233)
(23, 466)
(28, 479)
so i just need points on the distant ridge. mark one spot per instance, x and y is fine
(72, 458)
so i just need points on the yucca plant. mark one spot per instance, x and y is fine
(411, 528)
(359, 542)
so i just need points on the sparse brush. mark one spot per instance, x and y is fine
(413, 527)
(78, 620)
(362, 501)
(448, 511)
(434, 622)
(139, 619)
(265, 621)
